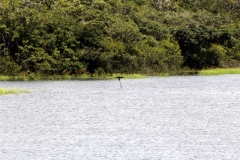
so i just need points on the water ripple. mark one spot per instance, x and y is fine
(154, 118)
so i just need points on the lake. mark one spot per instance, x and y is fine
(169, 118)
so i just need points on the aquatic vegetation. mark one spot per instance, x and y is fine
(12, 91)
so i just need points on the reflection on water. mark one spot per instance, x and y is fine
(154, 118)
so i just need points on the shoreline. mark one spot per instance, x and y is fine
(218, 71)
(37, 77)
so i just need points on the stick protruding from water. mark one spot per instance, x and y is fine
(119, 78)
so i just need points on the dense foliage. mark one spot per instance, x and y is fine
(67, 37)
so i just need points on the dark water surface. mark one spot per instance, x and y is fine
(192, 117)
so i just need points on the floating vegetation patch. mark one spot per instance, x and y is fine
(12, 91)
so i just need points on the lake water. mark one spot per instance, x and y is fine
(169, 118)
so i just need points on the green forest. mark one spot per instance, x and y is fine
(76, 37)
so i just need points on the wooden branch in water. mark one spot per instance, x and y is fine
(119, 80)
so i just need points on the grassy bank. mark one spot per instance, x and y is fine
(12, 91)
(219, 71)
(37, 77)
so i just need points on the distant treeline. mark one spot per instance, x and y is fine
(74, 37)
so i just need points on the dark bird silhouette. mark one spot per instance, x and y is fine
(119, 78)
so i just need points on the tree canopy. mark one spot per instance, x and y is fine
(73, 37)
